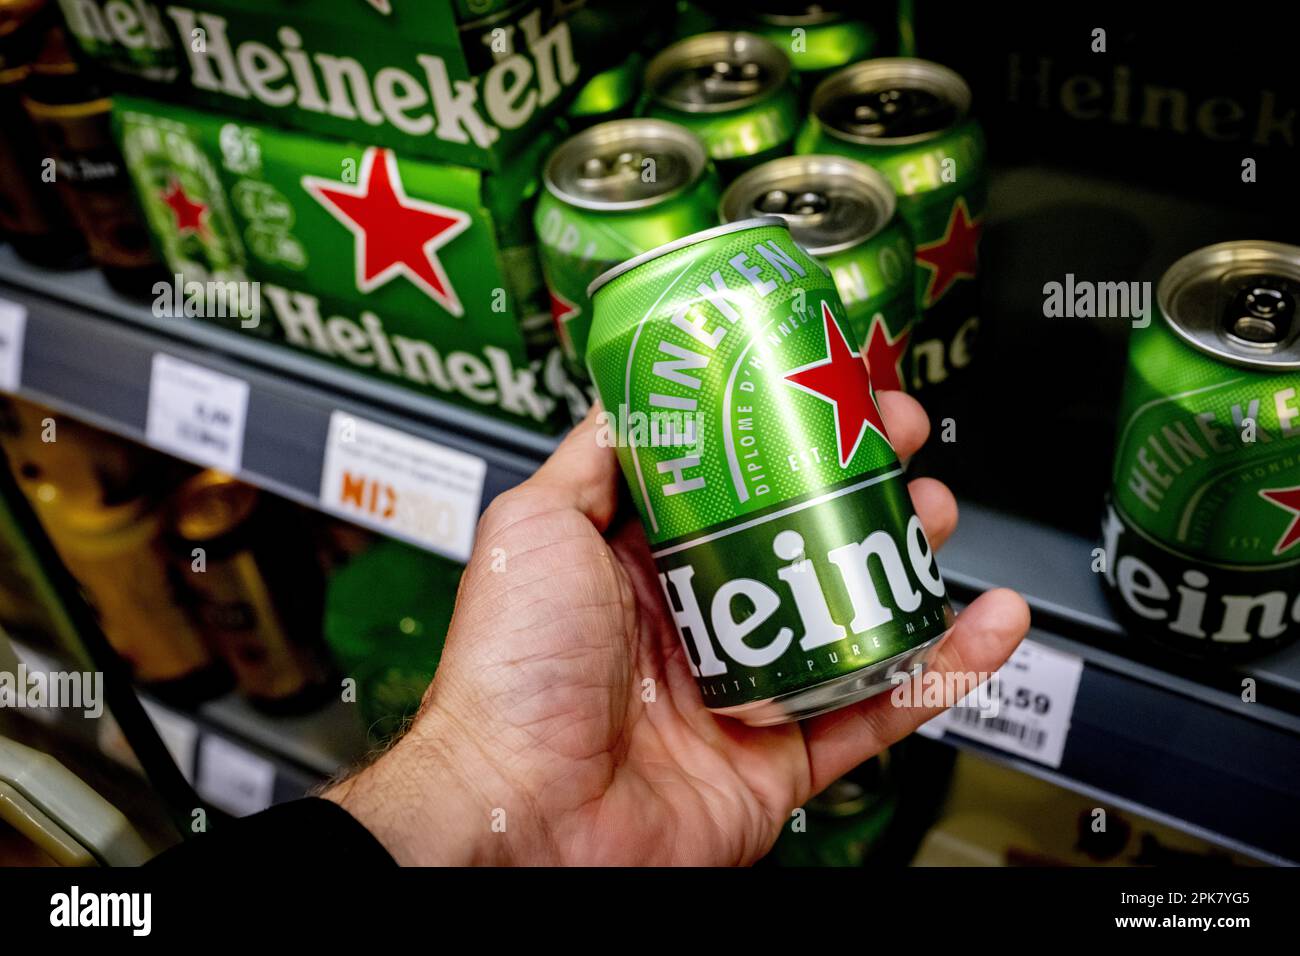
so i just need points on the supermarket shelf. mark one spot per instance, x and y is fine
(1148, 732)
(235, 756)
(88, 351)
(1171, 739)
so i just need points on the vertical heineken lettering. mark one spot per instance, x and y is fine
(798, 576)
(1202, 533)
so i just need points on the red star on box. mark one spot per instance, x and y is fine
(395, 235)
(841, 379)
(1288, 498)
(562, 313)
(189, 214)
(883, 355)
(954, 256)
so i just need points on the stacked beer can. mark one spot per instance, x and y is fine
(691, 212)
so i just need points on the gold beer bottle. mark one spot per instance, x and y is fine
(32, 216)
(252, 586)
(94, 495)
(73, 122)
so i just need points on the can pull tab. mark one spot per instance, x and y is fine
(726, 80)
(603, 172)
(804, 204)
(895, 112)
(1262, 311)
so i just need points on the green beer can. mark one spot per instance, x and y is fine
(797, 574)
(613, 192)
(843, 212)
(607, 95)
(910, 120)
(732, 90)
(1202, 529)
(819, 38)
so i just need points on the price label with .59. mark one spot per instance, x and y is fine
(1025, 708)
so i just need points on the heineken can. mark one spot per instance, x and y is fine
(843, 212)
(732, 90)
(613, 192)
(819, 38)
(797, 574)
(608, 95)
(845, 823)
(910, 120)
(1201, 537)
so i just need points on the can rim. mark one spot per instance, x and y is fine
(869, 177)
(696, 155)
(666, 59)
(935, 76)
(702, 236)
(1205, 335)
(814, 16)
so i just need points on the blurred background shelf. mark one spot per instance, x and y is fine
(1168, 737)
(88, 353)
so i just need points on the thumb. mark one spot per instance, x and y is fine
(582, 474)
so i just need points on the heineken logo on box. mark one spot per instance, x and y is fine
(368, 85)
(471, 83)
(491, 378)
(396, 235)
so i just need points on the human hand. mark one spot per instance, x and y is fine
(534, 744)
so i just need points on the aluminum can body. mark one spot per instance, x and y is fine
(1202, 528)
(799, 578)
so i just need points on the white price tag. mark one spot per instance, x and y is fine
(196, 413)
(13, 326)
(179, 735)
(1030, 715)
(402, 485)
(237, 781)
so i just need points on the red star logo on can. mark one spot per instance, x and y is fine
(953, 257)
(841, 379)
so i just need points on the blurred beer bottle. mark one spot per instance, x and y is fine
(32, 216)
(72, 117)
(96, 496)
(249, 577)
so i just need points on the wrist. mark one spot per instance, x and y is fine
(428, 803)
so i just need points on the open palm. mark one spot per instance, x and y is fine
(564, 725)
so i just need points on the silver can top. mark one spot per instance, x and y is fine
(1238, 301)
(891, 101)
(604, 167)
(832, 203)
(702, 236)
(798, 14)
(716, 72)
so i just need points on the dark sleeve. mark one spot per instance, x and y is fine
(310, 832)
